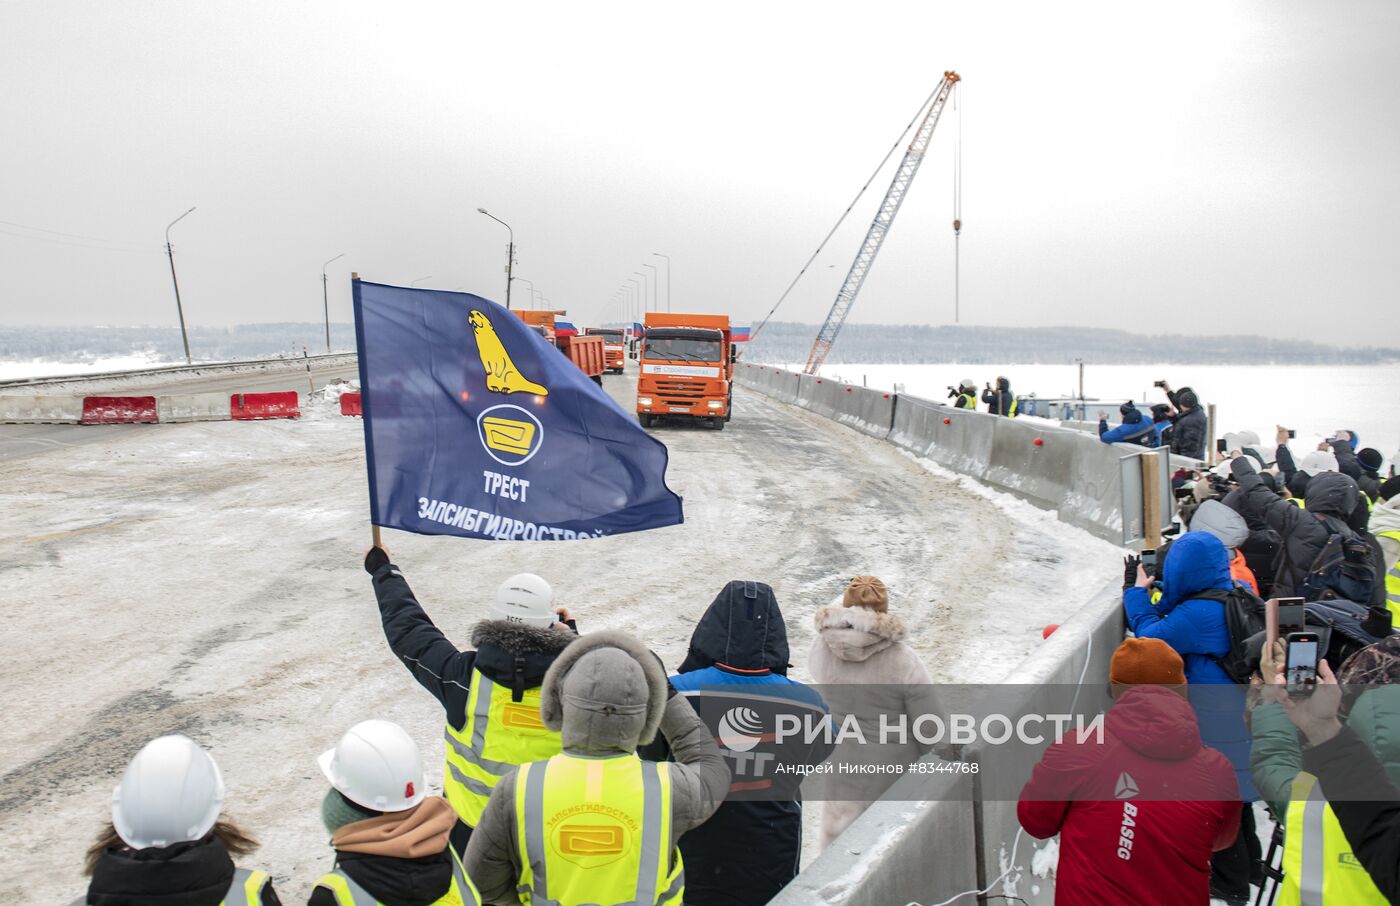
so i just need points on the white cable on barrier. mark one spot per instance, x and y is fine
(1016, 841)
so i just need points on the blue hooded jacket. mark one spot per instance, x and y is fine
(1134, 430)
(1196, 630)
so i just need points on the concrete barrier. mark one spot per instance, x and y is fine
(41, 410)
(868, 411)
(193, 407)
(280, 404)
(119, 410)
(885, 857)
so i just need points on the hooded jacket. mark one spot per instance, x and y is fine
(858, 647)
(1195, 627)
(1134, 430)
(400, 859)
(752, 846)
(1149, 774)
(185, 874)
(589, 701)
(999, 400)
(1303, 535)
(1189, 431)
(1215, 518)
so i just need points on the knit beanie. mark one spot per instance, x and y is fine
(1390, 487)
(1370, 458)
(337, 811)
(1146, 662)
(868, 592)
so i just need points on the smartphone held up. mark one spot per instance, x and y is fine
(1300, 663)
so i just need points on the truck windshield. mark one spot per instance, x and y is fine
(610, 337)
(686, 350)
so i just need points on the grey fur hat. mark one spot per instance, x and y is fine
(605, 693)
(1215, 518)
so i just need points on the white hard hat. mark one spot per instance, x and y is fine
(172, 792)
(1239, 440)
(968, 382)
(525, 598)
(1318, 461)
(377, 765)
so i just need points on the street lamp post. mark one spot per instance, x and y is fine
(668, 278)
(510, 251)
(326, 300)
(655, 275)
(532, 290)
(179, 309)
(646, 302)
(638, 283)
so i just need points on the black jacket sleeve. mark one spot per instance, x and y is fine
(1366, 803)
(434, 661)
(1258, 501)
(1347, 463)
(1284, 460)
(320, 896)
(269, 896)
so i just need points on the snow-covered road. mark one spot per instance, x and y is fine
(206, 579)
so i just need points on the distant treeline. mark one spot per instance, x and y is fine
(910, 344)
(780, 341)
(209, 344)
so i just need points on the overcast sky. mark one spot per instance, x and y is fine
(1217, 166)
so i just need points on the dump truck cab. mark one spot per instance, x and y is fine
(686, 363)
(614, 346)
(541, 322)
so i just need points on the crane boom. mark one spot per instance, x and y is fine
(880, 226)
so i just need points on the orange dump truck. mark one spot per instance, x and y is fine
(686, 365)
(541, 322)
(613, 347)
(585, 352)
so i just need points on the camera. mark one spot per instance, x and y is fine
(1292, 434)
(1162, 384)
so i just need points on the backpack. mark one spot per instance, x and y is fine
(1340, 624)
(1244, 621)
(1345, 568)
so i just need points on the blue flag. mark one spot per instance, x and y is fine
(476, 426)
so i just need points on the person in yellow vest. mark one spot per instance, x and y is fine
(595, 823)
(390, 837)
(1318, 862)
(168, 841)
(1385, 526)
(490, 695)
(964, 396)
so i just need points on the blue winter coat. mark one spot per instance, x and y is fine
(1134, 430)
(1196, 630)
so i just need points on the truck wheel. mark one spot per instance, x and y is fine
(729, 408)
(598, 379)
(717, 423)
(645, 420)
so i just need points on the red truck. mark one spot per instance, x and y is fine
(687, 362)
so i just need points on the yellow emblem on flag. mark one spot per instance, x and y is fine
(508, 435)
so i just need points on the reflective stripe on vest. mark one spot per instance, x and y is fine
(1015, 407)
(1392, 580)
(348, 893)
(498, 736)
(246, 889)
(596, 831)
(1319, 868)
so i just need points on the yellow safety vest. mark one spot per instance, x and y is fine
(1318, 864)
(499, 736)
(348, 893)
(1015, 406)
(1392, 581)
(596, 831)
(246, 889)
(966, 401)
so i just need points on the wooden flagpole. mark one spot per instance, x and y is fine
(374, 529)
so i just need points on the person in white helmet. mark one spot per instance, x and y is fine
(390, 837)
(168, 841)
(490, 695)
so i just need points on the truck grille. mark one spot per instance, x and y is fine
(680, 390)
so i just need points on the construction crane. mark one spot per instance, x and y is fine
(880, 226)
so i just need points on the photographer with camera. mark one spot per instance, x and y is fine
(964, 395)
(1000, 401)
(1189, 425)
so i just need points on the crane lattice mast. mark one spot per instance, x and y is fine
(880, 226)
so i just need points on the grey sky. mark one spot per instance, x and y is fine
(1228, 167)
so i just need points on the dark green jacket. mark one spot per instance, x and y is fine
(1276, 757)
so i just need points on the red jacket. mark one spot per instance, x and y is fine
(1138, 813)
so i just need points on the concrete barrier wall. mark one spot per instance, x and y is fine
(193, 407)
(41, 410)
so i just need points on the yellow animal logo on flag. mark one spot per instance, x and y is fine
(502, 375)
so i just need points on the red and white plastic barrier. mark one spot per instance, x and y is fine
(247, 406)
(119, 410)
(127, 410)
(350, 404)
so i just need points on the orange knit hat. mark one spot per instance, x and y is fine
(1146, 662)
(868, 592)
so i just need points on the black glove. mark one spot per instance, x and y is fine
(375, 559)
(1130, 568)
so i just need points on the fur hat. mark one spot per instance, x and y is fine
(605, 693)
(868, 592)
(1146, 662)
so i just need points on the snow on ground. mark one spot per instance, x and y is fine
(29, 368)
(206, 579)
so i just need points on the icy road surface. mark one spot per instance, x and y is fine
(206, 579)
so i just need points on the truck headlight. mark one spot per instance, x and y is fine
(715, 404)
(643, 401)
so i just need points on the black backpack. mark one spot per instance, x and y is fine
(1244, 620)
(1345, 569)
(1343, 627)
